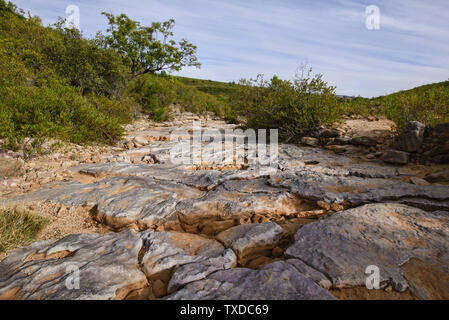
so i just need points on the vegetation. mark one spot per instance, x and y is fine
(57, 83)
(428, 104)
(18, 228)
(149, 49)
(296, 108)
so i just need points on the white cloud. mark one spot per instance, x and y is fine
(244, 38)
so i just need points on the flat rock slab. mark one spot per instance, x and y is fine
(122, 202)
(252, 240)
(386, 235)
(112, 266)
(357, 191)
(276, 281)
(234, 203)
(108, 268)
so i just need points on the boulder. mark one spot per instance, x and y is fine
(412, 137)
(276, 281)
(107, 266)
(252, 240)
(441, 176)
(313, 142)
(384, 235)
(396, 157)
(366, 141)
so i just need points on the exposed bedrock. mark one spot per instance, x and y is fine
(356, 191)
(394, 237)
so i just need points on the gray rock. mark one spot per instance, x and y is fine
(276, 281)
(412, 138)
(366, 141)
(355, 191)
(199, 270)
(311, 273)
(167, 250)
(107, 264)
(395, 157)
(441, 176)
(313, 142)
(249, 241)
(385, 235)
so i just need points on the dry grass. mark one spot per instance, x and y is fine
(18, 228)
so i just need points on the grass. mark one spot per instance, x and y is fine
(18, 228)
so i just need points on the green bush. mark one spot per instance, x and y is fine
(428, 104)
(296, 108)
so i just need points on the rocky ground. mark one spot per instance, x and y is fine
(138, 226)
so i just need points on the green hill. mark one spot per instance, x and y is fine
(428, 104)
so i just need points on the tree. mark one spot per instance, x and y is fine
(149, 49)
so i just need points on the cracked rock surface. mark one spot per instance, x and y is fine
(302, 229)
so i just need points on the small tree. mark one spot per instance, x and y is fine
(149, 49)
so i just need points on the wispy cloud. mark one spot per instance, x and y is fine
(239, 39)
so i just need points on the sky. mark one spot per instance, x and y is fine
(243, 38)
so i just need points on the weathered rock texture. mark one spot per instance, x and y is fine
(276, 281)
(388, 236)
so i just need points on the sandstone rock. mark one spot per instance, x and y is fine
(355, 191)
(385, 235)
(366, 141)
(318, 277)
(276, 281)
(329, 133)
(313, 142)
(441, 176)
(165, 251)
(232, 202)
(108, 268)
(199, 270)
(412, 137)
(396, 157)
(419, 181)
(253, 240)
(140, 141)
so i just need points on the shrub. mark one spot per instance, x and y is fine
(296, 108)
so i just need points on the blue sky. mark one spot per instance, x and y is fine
(242, 38)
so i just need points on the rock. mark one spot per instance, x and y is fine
(311, 273)
(386, 235)
(122, 202)
(232, 202)
(313, 142)
(253, 240)
(412, 137)
(395, 157)
(107, 264)
(441, 176)
(140, 141)
(165, 251)
(326, 206)
(366, 141)
(419, 181)
(199, 270)
(329, 134)
(276, 281)
(355, 191)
